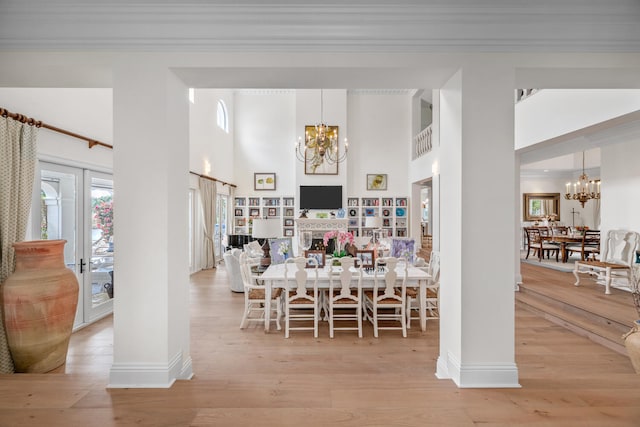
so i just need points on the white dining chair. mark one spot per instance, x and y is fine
(431, 295)
(387, 300)
(255, 296)
(345, 297)
(302, 301)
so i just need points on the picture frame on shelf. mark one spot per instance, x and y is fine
(288, 232)
(254, 212)
(264, 181)
(319, 256)
(365, 258)
(288, 212)
(271, 212)
(288, 222)
(369, 212)
(376, 181)
(238, 212)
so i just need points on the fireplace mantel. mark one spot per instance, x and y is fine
(322, 224)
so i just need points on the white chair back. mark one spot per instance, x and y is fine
(620, 247)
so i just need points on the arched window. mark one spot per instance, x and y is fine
(223, 117)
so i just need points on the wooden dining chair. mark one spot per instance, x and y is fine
(345, 297)
(302, 301)
(387, 301)
(589, 247)
(538, 240)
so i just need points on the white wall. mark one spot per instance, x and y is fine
(209, 146)
(264, 140)
(620, 204)
(88, 112)
(379, 141)
(553, 112)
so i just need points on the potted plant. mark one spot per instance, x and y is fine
(632, 338)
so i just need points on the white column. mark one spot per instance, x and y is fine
(477, 228)
(150, 157)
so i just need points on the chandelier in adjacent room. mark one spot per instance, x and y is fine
(320, 145)
(583, 190)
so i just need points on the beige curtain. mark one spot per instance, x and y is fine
(547, 207)
(17, 169)
(208, 196)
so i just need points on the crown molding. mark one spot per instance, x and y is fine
(330, 26)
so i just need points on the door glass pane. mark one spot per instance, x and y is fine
(58, 211)
(101, 241)
(221, 224)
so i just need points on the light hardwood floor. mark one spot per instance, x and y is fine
(249, 378)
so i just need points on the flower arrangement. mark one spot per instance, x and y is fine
(283, 249)
(340, 238)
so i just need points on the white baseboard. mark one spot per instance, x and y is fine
(148, 375)
(442, 370)
(476, 375)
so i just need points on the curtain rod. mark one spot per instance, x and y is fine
(213, 179)
(37, 123)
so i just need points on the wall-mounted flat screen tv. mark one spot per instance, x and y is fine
(320, 196)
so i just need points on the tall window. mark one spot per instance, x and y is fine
(223, 117)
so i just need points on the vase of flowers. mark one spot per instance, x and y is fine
(340, 240)
(632, 338)
(284, 249)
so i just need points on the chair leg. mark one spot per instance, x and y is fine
(286, 319)
(245, 315)
(330, 320)
(316, 316)
(278, 313)
(358, 310)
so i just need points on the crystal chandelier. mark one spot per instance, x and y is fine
(583, 190)
(320, 143)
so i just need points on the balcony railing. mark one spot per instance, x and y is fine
(422, 143)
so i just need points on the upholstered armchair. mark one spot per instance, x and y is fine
(232, 263)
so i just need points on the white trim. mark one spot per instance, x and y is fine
(477, 375)
(156, 375)
(74, 163)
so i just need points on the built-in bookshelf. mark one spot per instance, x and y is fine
(248, 208)
(394, 212)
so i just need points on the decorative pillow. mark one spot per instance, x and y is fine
(281, 249)
(403, 248)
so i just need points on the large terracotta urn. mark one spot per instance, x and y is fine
(39, 301)
(632, 343)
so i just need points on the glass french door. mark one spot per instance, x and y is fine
(220, 236)
(76, 205)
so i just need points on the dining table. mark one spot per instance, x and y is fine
(274, 277)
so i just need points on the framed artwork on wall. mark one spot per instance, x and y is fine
(314, 163)
(264, 181)
(376, 181)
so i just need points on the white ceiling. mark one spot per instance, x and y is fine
(322, 26)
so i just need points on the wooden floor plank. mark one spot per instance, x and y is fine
(252, 378)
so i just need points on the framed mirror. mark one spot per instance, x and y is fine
(537, 205)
